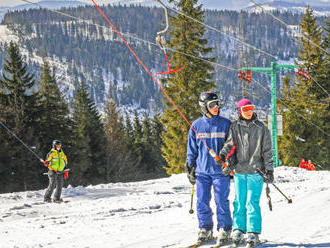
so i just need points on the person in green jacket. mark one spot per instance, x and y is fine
(56, 162)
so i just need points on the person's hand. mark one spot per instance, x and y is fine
(222, 159)
(269, 176)
(46, 163)
(66, 174)
(226, 171)
(232, 161)
(191, 174)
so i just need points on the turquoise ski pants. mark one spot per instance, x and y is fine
(247, 214)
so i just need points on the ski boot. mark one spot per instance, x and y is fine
(252, 240)
(204, 235)
(223, 237)
(58, 200)
(237, 237)
(48, 200)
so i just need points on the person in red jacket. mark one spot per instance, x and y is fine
(303, 164)
(310, 166)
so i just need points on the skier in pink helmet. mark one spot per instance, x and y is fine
(253, 152)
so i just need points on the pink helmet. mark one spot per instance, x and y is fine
(242, 103)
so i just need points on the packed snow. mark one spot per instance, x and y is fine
(155, 214)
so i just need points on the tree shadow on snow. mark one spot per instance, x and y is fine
(296, 245)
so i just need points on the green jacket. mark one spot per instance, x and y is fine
(57, 160)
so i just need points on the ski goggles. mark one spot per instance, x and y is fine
(247, 108)
(213, 104)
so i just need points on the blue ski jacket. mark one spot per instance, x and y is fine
(214, 132)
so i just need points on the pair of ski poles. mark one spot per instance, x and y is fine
(191, 210)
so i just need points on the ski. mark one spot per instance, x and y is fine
(248, 245)
(58, 202)
(252, 245)
(238, 244)
(199, 243)
(222, 243)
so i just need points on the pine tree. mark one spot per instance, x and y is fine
(128, 131)
(148, 160)
(301, 137)
(138, 146)
(289, 145)
(322, 94)
(185, 86)
(89, 159)
(55, 120)
(119, 161)
(19, 112)
(156, 131)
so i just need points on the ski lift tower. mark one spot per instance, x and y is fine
(271, 71)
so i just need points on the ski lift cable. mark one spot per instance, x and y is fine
(173, 50)
(308, 77)
(287, 25)
(226, 67)
(219, 31)
(320, 86)
(211, 151)
(294, 111)
(132, 36)
(304, 36)
(237, 39)
(173, 103)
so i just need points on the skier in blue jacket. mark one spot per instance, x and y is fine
(203, 168)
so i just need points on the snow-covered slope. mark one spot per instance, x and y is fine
(155, 214)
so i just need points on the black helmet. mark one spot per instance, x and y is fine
(205, 98)
(56, 143)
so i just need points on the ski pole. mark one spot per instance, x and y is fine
(28, 148)
(268, 197)
(8, 130)
(264, 176)
(288, 199)
(191, 211)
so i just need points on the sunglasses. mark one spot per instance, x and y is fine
(213, 104)
(247, 108)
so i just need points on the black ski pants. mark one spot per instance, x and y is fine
(55, 180)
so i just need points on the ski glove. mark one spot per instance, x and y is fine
(191, 174)
(66, 174)
(46, 163)
(269, 178)
(222, 159)
(226, 171)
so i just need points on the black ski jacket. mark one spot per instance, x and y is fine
(253, 146)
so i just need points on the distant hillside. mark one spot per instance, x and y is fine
(295, 7)
(45, 4)
(95, 55)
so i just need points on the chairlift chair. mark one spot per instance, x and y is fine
(302, 72)
(245, 75)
